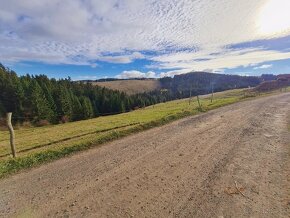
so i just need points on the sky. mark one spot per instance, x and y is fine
(93, 39)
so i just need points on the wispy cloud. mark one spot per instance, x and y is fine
(264, 66)
(123, 59)
(136, 74)
(182, 35)
(225, 58)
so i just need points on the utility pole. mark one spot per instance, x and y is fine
(11, 131)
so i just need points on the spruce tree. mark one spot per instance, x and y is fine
(39, 103)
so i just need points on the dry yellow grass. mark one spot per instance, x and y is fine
(131, 86)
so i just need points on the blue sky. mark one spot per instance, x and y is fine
(93, 39)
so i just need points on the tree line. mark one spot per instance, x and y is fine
(197, 83)
(39, 99)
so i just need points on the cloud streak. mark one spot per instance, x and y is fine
(180, 35)
(264, 66)
(226, 58)
(136, 74)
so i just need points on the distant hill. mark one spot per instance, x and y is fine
(132, 86)
(197, 82)
(202, 83)
(281, 81)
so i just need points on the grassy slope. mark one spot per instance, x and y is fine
(43, 144)
(131, 86)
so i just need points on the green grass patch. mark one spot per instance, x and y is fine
(39, 145)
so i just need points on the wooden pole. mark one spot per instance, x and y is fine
(199, 105)
(189, 96)
(211, 93)
(12, 136)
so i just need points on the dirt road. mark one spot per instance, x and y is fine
(193, 167)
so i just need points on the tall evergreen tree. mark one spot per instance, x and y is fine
(40, 105)
(87, 108)
(77, 113)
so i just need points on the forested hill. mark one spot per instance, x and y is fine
(202, 83)
(197, 82)
(41, 100)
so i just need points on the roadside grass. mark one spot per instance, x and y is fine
(43, 144)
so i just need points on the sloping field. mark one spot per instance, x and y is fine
(272, 85)
(35, 139)
(131, 86)
(42, 144)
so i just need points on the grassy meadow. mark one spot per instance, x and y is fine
(131, 86)
(36, 145)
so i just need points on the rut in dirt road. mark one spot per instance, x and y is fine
(230, 162)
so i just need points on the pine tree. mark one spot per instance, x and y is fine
(40, 105)
(87, 108)
(51, 104)
(77, 109)
(65, 102)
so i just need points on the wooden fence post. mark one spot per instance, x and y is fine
(12, 136)
(211, 99)
(189, 97)
(199, 105)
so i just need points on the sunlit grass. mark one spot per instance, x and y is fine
(41, 144)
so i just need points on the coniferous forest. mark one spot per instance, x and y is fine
(40, 100)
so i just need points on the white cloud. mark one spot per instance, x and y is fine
(150, 74)
(136, 74)
(172, 73)
(83, 32)
(123, 59)
(226, 58)
(264, 66)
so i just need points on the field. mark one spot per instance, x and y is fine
(42, 144)
(224, 160)
(131, 86)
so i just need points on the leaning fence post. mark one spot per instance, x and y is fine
(12, 136)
